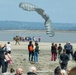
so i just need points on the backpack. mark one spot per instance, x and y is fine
(31, 48)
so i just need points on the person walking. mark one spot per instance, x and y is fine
(17, 40)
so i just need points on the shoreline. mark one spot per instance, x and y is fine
(37, 30)
(7, 35)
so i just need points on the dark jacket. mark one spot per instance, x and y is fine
(53, 49)
(2, 50)
(68, 47)
(59, 48)
(64, 58)
(57, 71)
(36, 48)
(31, 73)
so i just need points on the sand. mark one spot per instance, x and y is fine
(44, 67)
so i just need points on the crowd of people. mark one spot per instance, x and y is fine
(5, 57)
(57, 52)
(63, 54)
(17, 39)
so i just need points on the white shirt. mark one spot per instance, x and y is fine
(8, 47)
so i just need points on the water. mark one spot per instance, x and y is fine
(60, 36)
(17, 25)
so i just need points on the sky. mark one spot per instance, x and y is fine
(59, 11)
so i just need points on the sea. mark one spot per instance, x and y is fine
(64, 32)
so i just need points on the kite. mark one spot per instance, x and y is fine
(47, 24)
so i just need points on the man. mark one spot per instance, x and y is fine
(64, 60)
(59, 50)
(17, 40)
(2, 57)
(31, 51)
(19, 71)
(69, 49)
(32, 71)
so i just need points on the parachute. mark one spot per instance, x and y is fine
(47, 24)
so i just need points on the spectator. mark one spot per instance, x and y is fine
(39, 38)
(64, 60)
(19, 71)
(8, 47)
(31, 51)
(53, 52)
(32, 71)
(2, 57)
(7, 60)
(36, 51)
(69, 49)
(56, 47)
(59, 50)
(57, 70)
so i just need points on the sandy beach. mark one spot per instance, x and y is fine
(44, 67)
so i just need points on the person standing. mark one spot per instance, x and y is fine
(69, 49)
(56, 50)
(64, 60)
(31, 51)
(36, 51)
(59, 50)
(7, 60)
(39, 38)
(8, 47)
(53, 52)
(2, 57)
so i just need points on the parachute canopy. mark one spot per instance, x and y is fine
(47, 24)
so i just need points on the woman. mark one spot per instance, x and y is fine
(53, 52)
(36, 51)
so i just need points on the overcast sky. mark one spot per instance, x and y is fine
(60, 11)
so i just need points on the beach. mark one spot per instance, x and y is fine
(44, 67)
